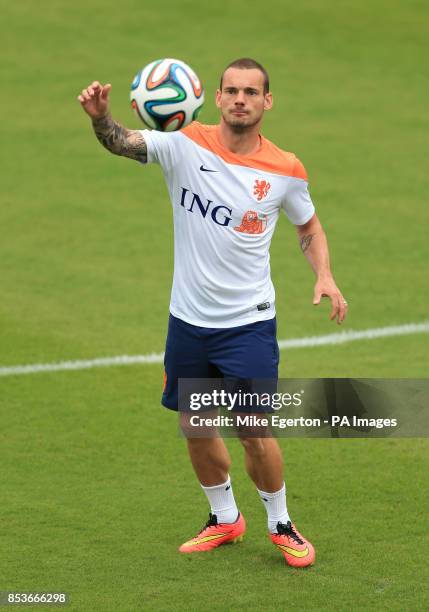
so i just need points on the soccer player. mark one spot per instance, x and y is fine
(227, 185)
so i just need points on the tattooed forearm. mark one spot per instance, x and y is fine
(119, 140)
(306, 241)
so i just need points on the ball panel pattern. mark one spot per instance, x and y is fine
(167, 94)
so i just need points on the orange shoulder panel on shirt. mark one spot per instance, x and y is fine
(268, 157)
(299, 171)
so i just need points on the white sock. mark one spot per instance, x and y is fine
(222, 502)
(275, 505)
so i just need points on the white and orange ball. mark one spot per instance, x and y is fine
(167, 95)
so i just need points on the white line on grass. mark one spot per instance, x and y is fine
(350, 335)
(104, 362)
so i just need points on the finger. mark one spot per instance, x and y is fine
(95, 89)
(335, 308)
(86, 95)
(90, 92)
(342, 305)
(343, 309)
(94, 92)
(316, 298)
(105, 91)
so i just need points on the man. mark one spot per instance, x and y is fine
(227, 185)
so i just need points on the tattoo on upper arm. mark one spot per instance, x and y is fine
(120, 140)
(306, 241)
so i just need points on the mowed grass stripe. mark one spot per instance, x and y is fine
(312, 341)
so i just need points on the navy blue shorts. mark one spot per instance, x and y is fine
(243, 352)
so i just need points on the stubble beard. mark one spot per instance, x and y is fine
(239, 126)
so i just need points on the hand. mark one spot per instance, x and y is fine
(326, 287)
(95, 100)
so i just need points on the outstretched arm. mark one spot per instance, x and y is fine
(115, 138)
(315, 247)
(120, 140)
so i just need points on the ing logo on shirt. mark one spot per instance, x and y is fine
(252, 223)
(261, 189)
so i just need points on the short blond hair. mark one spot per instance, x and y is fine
(246, 63)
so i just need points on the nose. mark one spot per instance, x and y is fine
(239, 99)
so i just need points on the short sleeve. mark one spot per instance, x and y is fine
(297, 202)
(162, 147)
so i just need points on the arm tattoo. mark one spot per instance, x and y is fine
(306, 241)
(119, 140)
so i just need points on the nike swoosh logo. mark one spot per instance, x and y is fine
(293, 552)
(207, 539)
(206, 169)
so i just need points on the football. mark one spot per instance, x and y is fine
(166, 95)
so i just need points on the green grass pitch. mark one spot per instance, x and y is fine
(97, 490)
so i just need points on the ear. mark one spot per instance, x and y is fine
(217, 97)
(268, 101)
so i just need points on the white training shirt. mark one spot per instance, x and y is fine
(225, 209)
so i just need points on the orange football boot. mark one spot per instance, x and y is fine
(297, 551)
(213, 534)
